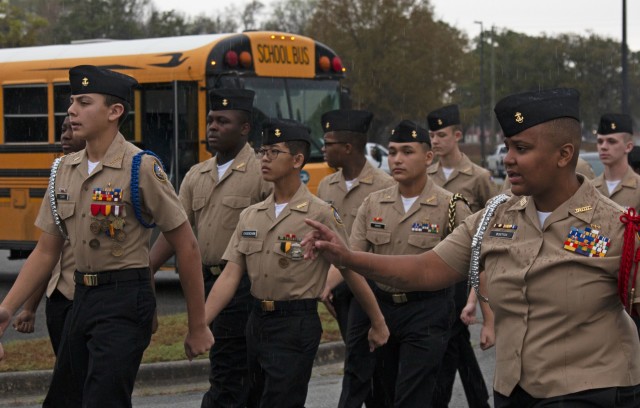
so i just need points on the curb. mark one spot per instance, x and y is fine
(21, 383)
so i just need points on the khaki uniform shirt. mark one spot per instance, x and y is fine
(333, 189)
(468, 179)
(97, 249)
(626, 193)
(62, 274)
(267, 248)
(213, 206)
(560, 325)
(383, 227)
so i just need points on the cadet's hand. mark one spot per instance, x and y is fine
(378, 336)
(468, 315)
(487, 336)
(25, 321)
(198, 342)
(5, 318)
(327, 299)
(324, 241)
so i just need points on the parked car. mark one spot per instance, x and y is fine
(495, 162)
(378, 156)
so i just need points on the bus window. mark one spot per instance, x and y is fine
(61, 101)
(25, 114)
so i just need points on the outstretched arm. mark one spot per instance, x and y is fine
(425, 271)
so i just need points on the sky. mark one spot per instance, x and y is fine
(532, 17)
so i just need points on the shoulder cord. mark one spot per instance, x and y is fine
(135, 185)
(476, 243)
(452, 211)
(627, 259)
(52, 198)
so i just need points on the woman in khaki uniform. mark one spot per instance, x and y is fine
(563, 338)
(103, 199)
(283, 332)
(410, 217)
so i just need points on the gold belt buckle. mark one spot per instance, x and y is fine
(268, 305)
(90, 279)
(215, 270)
(399, 297)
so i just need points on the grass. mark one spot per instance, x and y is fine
(166, 344)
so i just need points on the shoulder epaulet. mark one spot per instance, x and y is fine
(135, 184)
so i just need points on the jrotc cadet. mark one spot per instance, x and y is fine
(457, 174)
(634, 159)
(618, 181)
(213, 193)
(409, 218)
(563, 338)
(60, 288)
(103, 199)
(583, 167)
(345, 141)
(283, 332)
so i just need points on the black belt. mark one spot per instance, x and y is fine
(106, 277)
(214, 270)
(296, 305)
(405, 297)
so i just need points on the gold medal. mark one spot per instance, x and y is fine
(117, 250)
(95, 227)
(104, 225)
(120, 236)
(283, 262)
(118, 223)
(94, 243)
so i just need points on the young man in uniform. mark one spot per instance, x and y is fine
(213, 193)
(563, 337)
(618, 181)
(409, 218)
(103, 199)
(60, 288)
(345, 141)
(283, 332)
(457, 174)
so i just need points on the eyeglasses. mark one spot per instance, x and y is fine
(271, 154)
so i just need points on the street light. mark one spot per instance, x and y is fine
(482, 152)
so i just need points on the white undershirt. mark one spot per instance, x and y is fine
(91, 166)
(349, 184)
(447, 172)
(408, 202)
(222, 168)
(611, 185)
(279, 208)
(542, 217)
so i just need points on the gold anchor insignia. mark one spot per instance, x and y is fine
(327, 125)
(519, 117)
(277, 133)
(414, 134)
(85, 81)
(225, 102)
(440, 122)
(582, 209)
(613, 126)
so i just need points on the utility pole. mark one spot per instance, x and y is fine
(482, 152)
(492, 101)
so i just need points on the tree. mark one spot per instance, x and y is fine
(205, 25)
(400, 62)
(291, 16)
(248, 16)
(19, 27)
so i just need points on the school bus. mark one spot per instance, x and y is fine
(293, 76)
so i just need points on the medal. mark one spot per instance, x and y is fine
(104, 225)
(296, 252)
(283, 262)
(94, 243)
(95, 227)
(120, 236)
(117, 250)
(118, 223)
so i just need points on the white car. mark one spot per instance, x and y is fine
(378, 156)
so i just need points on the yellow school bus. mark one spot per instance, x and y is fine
(293, 76)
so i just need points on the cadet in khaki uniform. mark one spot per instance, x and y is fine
(409, 218)
(283, 332)
(563, 338)
(104, 198)
(213, 193)
(618, 181)
(345, 141)
(60, 288)
(582, 167)
(457, 174)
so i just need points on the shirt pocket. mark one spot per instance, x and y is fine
(378, 238)
(423, 241)
(66, 209)
(232, 206)
(198, 204)
(249, 247)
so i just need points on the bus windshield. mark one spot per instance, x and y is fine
(304, 100)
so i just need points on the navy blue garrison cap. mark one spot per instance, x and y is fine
(443, 117)
(408, 132)
(344, 119)
(87, 79)
(284, 130)
(615, 123)
(231, 99)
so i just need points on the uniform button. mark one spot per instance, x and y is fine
(86, 188)
(89, 267)
(84, 242)
(265, 275)
(84, 215)
(399, 241)
(209, 225)
(267, 251)
(518, 353)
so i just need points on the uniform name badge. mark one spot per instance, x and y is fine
(505, 231)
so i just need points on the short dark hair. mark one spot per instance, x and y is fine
(565, 130)
(357, 140)
(110, 100)
(300, 147)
